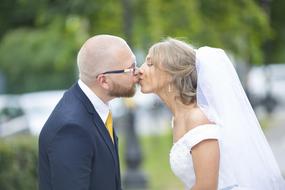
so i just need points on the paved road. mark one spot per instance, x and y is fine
(275, 134)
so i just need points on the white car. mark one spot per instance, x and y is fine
(150, 112)
(12, 118)
(266, 85)
(37, 107)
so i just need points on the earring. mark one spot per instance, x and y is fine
(169, 88)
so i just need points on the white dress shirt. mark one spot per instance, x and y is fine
(101, 108)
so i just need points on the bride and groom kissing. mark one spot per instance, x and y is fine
(217, 140)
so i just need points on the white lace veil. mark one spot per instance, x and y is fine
(243, 145)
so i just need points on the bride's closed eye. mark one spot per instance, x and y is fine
(148, 62)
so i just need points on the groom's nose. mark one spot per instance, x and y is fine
(136, 75)
(137, 71)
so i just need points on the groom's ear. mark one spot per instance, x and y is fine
(102, 80)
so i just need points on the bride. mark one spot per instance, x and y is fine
(217, 140)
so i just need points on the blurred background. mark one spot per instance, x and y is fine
(39, 41)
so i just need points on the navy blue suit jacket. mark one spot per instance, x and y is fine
(75, 149)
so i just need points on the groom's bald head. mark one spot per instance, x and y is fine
(99, 54)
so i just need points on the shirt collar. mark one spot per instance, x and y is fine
(99, 105)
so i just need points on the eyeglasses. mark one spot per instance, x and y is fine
(128, 70)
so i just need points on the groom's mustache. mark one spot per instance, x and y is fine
(138, 75)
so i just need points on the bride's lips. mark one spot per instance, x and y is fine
(140, 78)
(140, 81)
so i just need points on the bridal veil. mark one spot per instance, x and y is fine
(244, 148)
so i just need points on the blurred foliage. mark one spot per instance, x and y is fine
(39, 40)
(276, 49)
(41, 58)
(232, 25)
(18, 163)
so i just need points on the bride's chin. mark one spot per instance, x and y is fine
(143, 90)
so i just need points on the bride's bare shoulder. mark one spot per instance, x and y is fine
(196, 118)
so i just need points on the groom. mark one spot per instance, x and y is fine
(78, 148)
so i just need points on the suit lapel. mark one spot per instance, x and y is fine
(108, 141)
(105, 135)
(117, 154)
(96, 119)
(113, 148)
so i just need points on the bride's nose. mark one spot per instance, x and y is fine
(140, 72)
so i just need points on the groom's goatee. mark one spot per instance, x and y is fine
(121, 91)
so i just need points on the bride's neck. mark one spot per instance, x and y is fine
(173, 102)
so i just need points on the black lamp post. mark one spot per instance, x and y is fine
(134, 178)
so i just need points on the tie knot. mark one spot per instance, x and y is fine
(109, 117)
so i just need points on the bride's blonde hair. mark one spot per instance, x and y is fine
(178, 59)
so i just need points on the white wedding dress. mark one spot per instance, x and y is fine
(181, 160)
(246, 159)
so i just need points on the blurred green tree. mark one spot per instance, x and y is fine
(232, 25)
(41, 59)
(40, 39)
(17, 13)
(276, 49)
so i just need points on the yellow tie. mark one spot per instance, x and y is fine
(109, 125)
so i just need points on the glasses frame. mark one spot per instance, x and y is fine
(132, 69)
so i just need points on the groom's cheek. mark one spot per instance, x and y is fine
(136, 79)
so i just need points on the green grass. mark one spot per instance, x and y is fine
(156, 162)
(265, 123)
